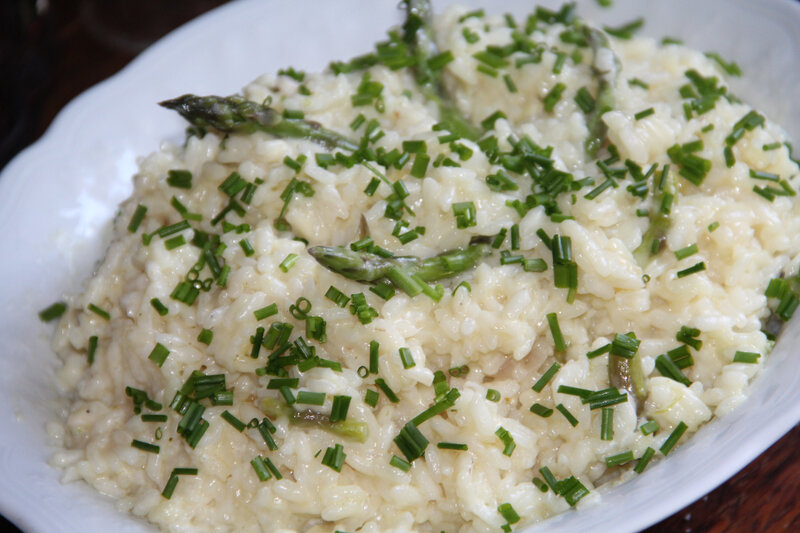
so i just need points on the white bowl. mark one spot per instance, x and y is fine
(58, 197)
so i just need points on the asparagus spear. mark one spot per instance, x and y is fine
(369, 267)
(656, 234)
(235, 114)
(605, 66)
(349, 429)
(418, 34)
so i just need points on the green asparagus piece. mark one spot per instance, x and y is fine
(656, 235)
(418, 34)
(349, 429)
(369, 267)
(606, 67)
(235, 114)
(627, 374)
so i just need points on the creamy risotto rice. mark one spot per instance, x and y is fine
(591, 308)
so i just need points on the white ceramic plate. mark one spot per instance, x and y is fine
(57, 199)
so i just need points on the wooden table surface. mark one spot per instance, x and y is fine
(49, 57)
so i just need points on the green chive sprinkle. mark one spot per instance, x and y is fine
(493, 395)
(673, 438)
(159, 354)
(265, 312)
(52, 312)
(287, 263)
(99, 312)
(619, 459)
(546, 377)
(452, 446)
(205, 336)
(699, 267)
(555, 330)
(643, 460)
(237, 424)
(145, 446)
(746, 357)
(571, 419)
(644, 113)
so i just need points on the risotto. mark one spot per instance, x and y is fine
(455, 284)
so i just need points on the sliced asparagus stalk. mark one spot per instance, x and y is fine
(606, 67)
(349, 429)
(368, 267)
(235, 114)
(418, 34)
(627, 374)
(655, 236)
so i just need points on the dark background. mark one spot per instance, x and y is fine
(52, 51)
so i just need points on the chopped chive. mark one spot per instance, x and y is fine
(644, 113)
(599, 351)
(137, 218)
(260, 467)
(669, 369)
(584, 100)
(625, 31)
(174, 242)
(534, 265)
(571, 419)
(515, 237)
(383, 289)
(407, 358)
(551, 480)
(52, 312)
(92, 349)
(553, 96)
(145, 446)
(159, 307)
(465, 214)
(205, 336)
(336, 296)
(651, 426)
(541, 485)
(374, 348)
(247, 247)
(619, 459)
(339, 408)
(99, 312)
(411, 441)
(746, 357)
(714, 225)
(181, 179)
(546, 377)
(452, 446)
(644, 460)
(507, 440)
(575, 391)
(159, 354)
(310, 398)
(771, 146)
(686, 251)
(153, 417)
(267, 311)
(381, 383)
(699, 267)
(372, 186)
(399, 462)
(371, 398)
(287, 263)
(638, 83)
(555, 330)
(512, 88)
(508, 513)
(541, 410)
(493, 395)
(625, 345)
(237, 424)
(279, 383)
(558, 64)
(607, 424)
(673, 438)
